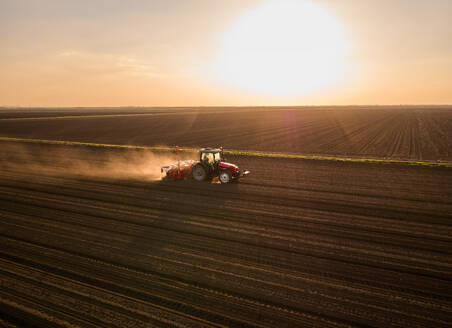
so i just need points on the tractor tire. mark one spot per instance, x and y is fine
(225, 177)
(199, 173)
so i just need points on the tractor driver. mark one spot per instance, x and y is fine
(208, 158)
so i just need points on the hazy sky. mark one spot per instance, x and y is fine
(172, 52)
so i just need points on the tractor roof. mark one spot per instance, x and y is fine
(210, 150)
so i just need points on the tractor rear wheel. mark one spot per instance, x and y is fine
(225, 177)
(199, 172)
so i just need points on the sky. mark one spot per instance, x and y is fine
(225, 53)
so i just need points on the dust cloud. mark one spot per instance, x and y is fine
(97, 162)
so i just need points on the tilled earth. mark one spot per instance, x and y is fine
(411, 132)
(296, 244)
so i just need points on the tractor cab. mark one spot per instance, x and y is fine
(211, 157)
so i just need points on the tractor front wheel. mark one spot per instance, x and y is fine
(199, 173)
(225, 177)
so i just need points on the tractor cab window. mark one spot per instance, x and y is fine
(208, 157)
(217, 157)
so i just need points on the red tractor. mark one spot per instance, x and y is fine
(211, 164)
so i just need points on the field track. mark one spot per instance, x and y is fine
(296, 244)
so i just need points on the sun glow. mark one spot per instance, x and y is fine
(283, 47)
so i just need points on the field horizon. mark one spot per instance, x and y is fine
(326, 106)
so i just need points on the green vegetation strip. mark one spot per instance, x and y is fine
(89, 144)
(234, 152)
(341, 159)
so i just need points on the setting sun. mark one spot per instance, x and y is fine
(283, 48)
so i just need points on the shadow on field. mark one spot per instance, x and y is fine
(190, 198)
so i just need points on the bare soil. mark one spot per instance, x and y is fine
(412, 133)
(296, 244)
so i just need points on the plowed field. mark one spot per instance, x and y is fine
(413, 133)
(298, 243)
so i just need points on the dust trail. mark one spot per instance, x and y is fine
(78, 161)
